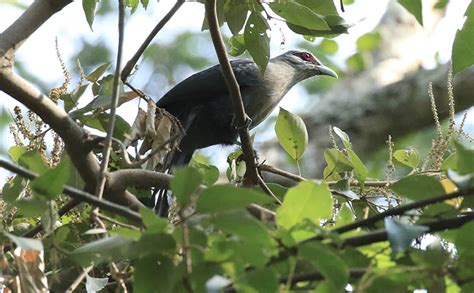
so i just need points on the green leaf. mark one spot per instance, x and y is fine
(451, 162)
(465, 159)
(307, 200)
(299, 14)
(102, 250)
(345, 216)
(329, 46)
(185, 182)
(418, 187)
(321, 7)
(151, 273)
(25, 243)
(401, 235)
(33, 161)
(292, 134)
(16, 151)
(246, 227)
(144, 3)
(360, 170)
(152, 222)
(133, 4)
(368, 42)
(258, 280)
(356, 62)
(408, 157)
(343, 136)
(209, 173)
(31, 207)
(257, 40)
(327, 262)
(71, 99)
(343, 186)
(128, 233)
(414, 7)
(12, 189)
(220, 198)
(101, 123)
(235, 13)
(337, 162)
(51, 183)
(464, 240)
(237, 45)
(89, 10)
(98, 72)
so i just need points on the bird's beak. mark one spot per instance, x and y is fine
(323, 70)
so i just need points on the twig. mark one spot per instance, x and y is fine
(297, 178)
(274, 170)
(316, 276)
(251, 177)
(267, 190)
(131, 63)
(399, 210)
(79, 279)
(78, 194)
(261, 213)
(115, 222)
(434, 226)
(113, 109)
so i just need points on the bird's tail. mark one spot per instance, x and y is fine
(161, 197)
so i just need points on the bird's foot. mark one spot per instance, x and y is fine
(248, 121)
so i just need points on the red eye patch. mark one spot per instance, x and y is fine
(307, 57)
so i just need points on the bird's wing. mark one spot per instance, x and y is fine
(210, 84)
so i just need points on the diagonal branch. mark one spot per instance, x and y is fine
(131, 63)
(382, 235)
(252, 177)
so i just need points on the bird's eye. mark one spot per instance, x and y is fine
(307, 56)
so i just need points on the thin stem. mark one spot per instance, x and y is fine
(113, 109)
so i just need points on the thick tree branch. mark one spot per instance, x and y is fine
(234, 91)
(121, 179)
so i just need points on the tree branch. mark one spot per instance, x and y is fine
(382, 235)
(316, 276)
(107, 148)
(399, 210)
(21, 90)
(234, 91)
(78, 194)
(121, 179)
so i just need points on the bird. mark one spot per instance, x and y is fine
(204, 107)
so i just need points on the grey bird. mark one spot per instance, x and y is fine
(203, 105)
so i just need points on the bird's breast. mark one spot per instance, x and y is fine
(261, 101)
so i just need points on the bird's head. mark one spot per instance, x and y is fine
(305, 64)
